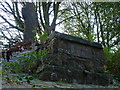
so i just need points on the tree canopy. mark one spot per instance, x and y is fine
(96, 21)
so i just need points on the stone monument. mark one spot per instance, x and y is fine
(73, 59)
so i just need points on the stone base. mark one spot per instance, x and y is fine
(72, 75)
(71, 71)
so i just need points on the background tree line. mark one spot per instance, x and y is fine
(99, 22)
(95, 21)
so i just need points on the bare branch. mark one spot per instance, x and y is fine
(41, 19)
(64, 20)
(55, 8)
(11, 24)
(5, 36)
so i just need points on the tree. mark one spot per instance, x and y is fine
(80, 24)
(44, 10)
(96, 21)
(108, 21)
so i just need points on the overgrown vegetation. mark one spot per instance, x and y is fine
(112, 62)
(25, 62)
(29, 60)
(40, 37)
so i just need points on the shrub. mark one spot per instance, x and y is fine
(25, 62)
(113, 61)
(29, 60)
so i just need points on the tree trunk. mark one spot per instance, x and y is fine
(30, 21)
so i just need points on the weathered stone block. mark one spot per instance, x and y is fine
(71, 47)
(72, 59)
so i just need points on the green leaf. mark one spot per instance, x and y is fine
(34, 31)
(33, 86)
(26, 77)
(30, 78)
(28, 81)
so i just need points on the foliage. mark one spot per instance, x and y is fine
(112, 62)
(95, 21)
(10, 66)
(30, 59)
(25, 62)
(80, 24)
(40, 36)
(108, 53)
(27, 78)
